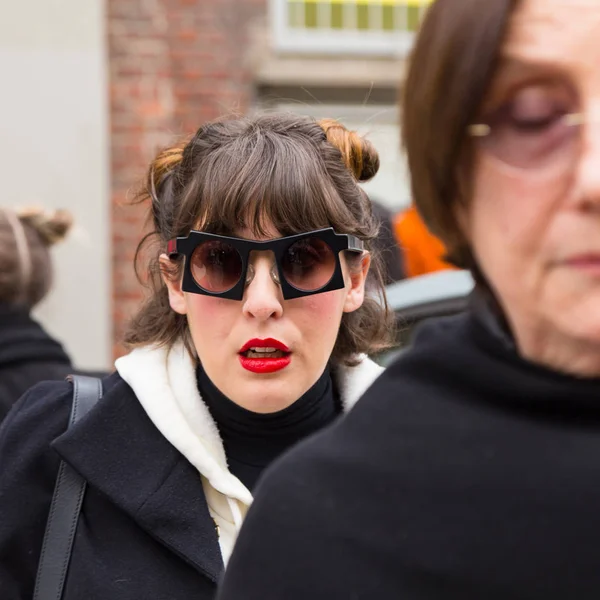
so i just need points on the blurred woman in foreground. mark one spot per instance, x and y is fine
(470, 468)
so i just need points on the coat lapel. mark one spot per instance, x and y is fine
(119, 451)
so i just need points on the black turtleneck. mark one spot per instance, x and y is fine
(253, 440)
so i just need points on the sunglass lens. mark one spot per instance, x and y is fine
(308, 264)
(216, 266)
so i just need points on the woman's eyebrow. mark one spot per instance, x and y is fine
(511, 70)
(525, 66)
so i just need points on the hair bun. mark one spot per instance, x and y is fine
(165, 163)
(51, 226)
(359, 155)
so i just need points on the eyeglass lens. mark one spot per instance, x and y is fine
(538, 126)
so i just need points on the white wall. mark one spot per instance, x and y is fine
(54, 151)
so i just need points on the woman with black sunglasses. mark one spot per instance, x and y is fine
(254, 335)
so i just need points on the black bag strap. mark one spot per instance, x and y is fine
(66, 503)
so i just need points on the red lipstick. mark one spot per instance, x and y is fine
(264, 356)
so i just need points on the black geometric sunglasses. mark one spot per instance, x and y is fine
(306, 264)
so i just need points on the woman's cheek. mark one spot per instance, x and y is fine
(320, 308)
(211, 315)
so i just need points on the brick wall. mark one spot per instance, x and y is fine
(173, 65)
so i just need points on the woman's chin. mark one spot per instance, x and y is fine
(266, 403)
(581, 321)
(266, 395)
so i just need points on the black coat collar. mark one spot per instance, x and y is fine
(119, 451)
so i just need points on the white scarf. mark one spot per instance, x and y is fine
(165, 384)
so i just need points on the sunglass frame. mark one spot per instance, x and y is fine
(185, 246)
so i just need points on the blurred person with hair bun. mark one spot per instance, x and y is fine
(255, 334)
(28, 354)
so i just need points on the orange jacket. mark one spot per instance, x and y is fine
(423, 252)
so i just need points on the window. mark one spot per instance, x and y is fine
(358, 15)
(347, 26)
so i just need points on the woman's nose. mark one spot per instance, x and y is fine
(263, 298)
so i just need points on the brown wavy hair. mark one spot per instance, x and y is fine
(450, 69)
(284, 170)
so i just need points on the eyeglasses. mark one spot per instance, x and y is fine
(306, 264)
(550, 142)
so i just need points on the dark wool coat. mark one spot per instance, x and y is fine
(28, 355)
(145, 530)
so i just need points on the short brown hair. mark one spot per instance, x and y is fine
(26, 273)
(280, 169)
(450, 69)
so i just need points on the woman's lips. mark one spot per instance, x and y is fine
(585, 262)
(264, 355)
(265, 365)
